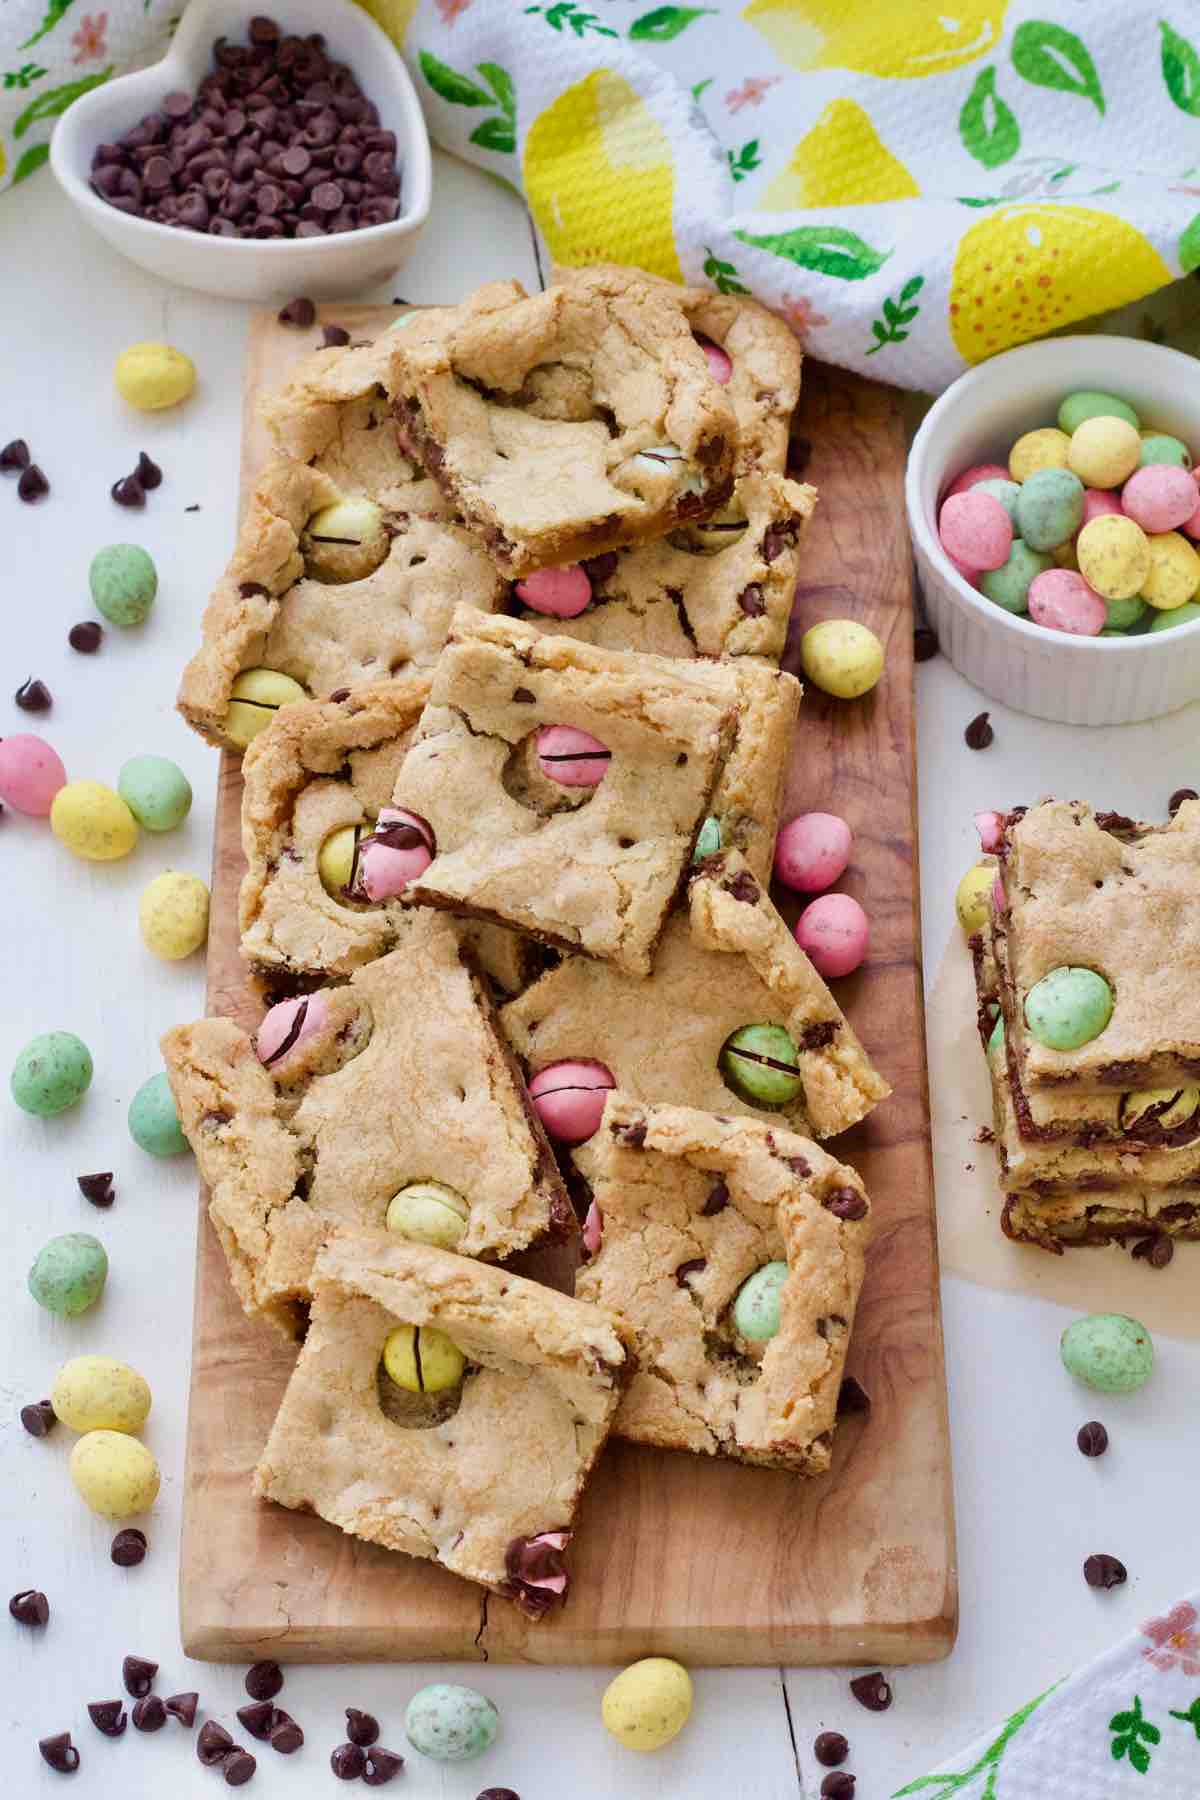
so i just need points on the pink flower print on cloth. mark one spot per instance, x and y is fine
(88, 42)
(1174, 1642)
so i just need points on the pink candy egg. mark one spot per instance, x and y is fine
(811, 851)
(562, 593)
(1159, 497)
(719, 365)
(288, 1025)
(31, 773)
(1192, 524)
(976, 530)
(971, 575)
(997, 896)
(568, 1098)
(593, 1229)
(1061, 600)
(834, 934)
(401, 847)
(1096, 502)
(977, 472)
(571, 757)
(990, 826)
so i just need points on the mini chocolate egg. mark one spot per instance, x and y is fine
(560, 593)
(1061, 600)
(842, 657)
(428, 1212)
(761, 1064)
(93, 821)
(811, 851)
(1159, 497)
(708, 839)
(974, 475)
(1008, 586)
(996, 1040)
(335, 860)
(834, 933)
(973, 896)
(115, 1474)
(152, 376)
(254, 699)
(1045, 448)
(52, 1072)
(156, 791)
(1121, 614)
(1114, 556)
(1068, 1007)
(1104, 451)
(153, 1119)
(1172, 579)
(32, 772)
(1109, 1352)
(98, 1393)
(1003, 490)
(1186, 614)
(975, 529)
(450, 1723)
(569, 1097)
(1049, 508)
(289, 1024)
(1160, 447)
(124, 582)
(571, 757)
(758, 1307)
(423, 1360)
(648, 1704)
(346, 541)
(173, 915)
(69, 1273)
(1089, 403)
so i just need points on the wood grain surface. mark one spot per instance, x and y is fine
(704, 1560)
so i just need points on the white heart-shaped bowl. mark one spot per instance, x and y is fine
(248, 268)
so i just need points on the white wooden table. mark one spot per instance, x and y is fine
(1029, 1507)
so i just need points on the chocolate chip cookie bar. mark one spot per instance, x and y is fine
(733, 1017)
(734, 1250)
(448, 1410)
(568, 423)
(348, 1100)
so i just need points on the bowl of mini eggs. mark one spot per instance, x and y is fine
(1055, 517)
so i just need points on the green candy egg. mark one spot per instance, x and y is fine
(123, 581)
(153, 1120)
(1008, 586)
(1068, 1007)
(1164, 449)
(760, 1062)
(69, 1273)
(759, 1304)
(1049, 508)
(450, 1723)
(427, 1212)
(1004, 491)
(1108, 1351)
(996, 1041)
(1089, 403)
(1179, 615)
(52, 1072)
(1124, 613)
(1113, 631)
(708, 840)
(156, 791)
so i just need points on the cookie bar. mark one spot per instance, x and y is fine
(725, 962)
(569, 423)
(484, 1476)
(516, 724)
(399, 1077)
(688, 1209)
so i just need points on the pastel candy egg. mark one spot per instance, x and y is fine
(255, 698)
(1065, 556)
(423, 1360)
(842, 657)
(1168, 1107)
(1061, 600)
(1097, 502)
(52, 1072)
(1049, 508)
(1174, 573)
(976, 473)
(400, 848)
(999, 903)
(719, 365)
(153, 1120)
(593, 1230)
(1045, 448)
(335, 860)
(834, 934)
(996, 1041)
(708, 839)
(1008, 586)
(990, 826)
(173, 915)
(345, 541)
(1180, 615)
(1104, 451)
(289, 1024)
(648, 1704)
(1191, 525)
(450, 1723)
(1089, 403)
(975, 529)
(812, 851)
(561, 593)
(1114, 556)
(1160, 447)
(98, 1393)
(123, 581)
(1159, 497)
(972, 897)
(758, 1308)
(69, 1273)
(114, 1474)
(761, 1064)
(93, 821)
(1124, 613)
(961, 568)
(151, 376)
(31, 773)
(1068, 1007)
(1005, 491)
(568, 1098)
(1108, 1351)
(571, 757)
(427, 1212)
(156, 791)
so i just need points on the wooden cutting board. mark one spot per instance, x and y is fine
(704, 1560)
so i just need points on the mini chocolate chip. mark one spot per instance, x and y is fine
(1178, 797)
(1157, 1250)
(33, 696)
(264, 1680)
(286, 1735)
(686, 1269)
(1092, 1438)
(634, 1135)
(38, 1418)
(838, 1787)
(128, 491)
(259, 1719)
(348, 1762)
(129, 1548)
(300, 311)
(362, 1728)
(85, 637)
(340, 694)
(498, 1794)
(1104, 1571)
(743, 887)
(523, 697)
(799, 454)
(32, 485)
(15, 455)
(717, 1201)
(183, 1707)
(872, 1691)
(30, 1607)
(248, 589)
(147, 472)
(381, 1767)
(108, 1716)
(751, 601)
(213, 1743)
(830, 1749)
(60, 1753)
(846, 1203)
(925, 644)
(335, 335)
(149, 1714)
(239, 1767)
(979, 734)
(853, 1397)
(195, 508)
(138, 1676)
(97, 1188)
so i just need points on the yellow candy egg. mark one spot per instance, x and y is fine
(98, 1393)
(151, 376)
(842, 657)
(429, 1212)
(1066, 555)
(173, 915)
(973, 896)
(1174, 571)
(93, 821)
(422, 1359)
(114, 1474)
(1114, 555)
(648, 1704)
(335, 860)
(255, 698)
(1043, 449)
(1104, 451)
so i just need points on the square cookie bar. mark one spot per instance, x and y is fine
(562, 787)
(391, 1099)
(476, 1457)
(568, 423)
(726, 962)
(734, 1251)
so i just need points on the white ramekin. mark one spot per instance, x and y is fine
(326, 268)
(1079, 681)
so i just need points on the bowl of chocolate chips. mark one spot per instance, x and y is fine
(261, 157)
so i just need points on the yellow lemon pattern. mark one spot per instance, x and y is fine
(842, 161)
(394, 15)
(902, 39)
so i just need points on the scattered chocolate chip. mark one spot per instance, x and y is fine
(299, 311)
(30, 1607)
(259, 1719)
(523, 697)
(32, 486)
(138, 1676)
(334, 335)
(149, 1714)
(362, 1728)
(38, 1418)
(752, 602)
(195, 508)
(846, 1203)
(264, 1680)
(85, 637)
(97, 1188)
(1104, 1571)
(60, 1753)
(286, 1735)
(830, 1749)
(925, 644)
(838, 1787)
(15, 455)
(979, 733)
(687, 1269)
(717, 1201)
(128, 491)
(1092, 1438)
(148, 472)
(239, 1767)
(853, 1397)
(1177, 799)
(213, 1743)
(108, 1716)
(381, 1767)
(498, 1794)
(129, 1548)
(872, 1691)
(183, 1707)
(33, 696)
(1157, 1250)
(537, 1577)
(348, 1762)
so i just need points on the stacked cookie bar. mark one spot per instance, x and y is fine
(1091, 1027)
(500, 643)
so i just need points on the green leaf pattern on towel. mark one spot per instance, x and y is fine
(1134, 1737)
(53, 101)
(987, 127)
(31, 161)
(743, 162)
(566, 13)
(498, 133)
(897, 315)
(665, 23)
(1180, 70)
(54, 12)
(1050, 56)
(723, 275)
(24, 77)
(825, 249)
